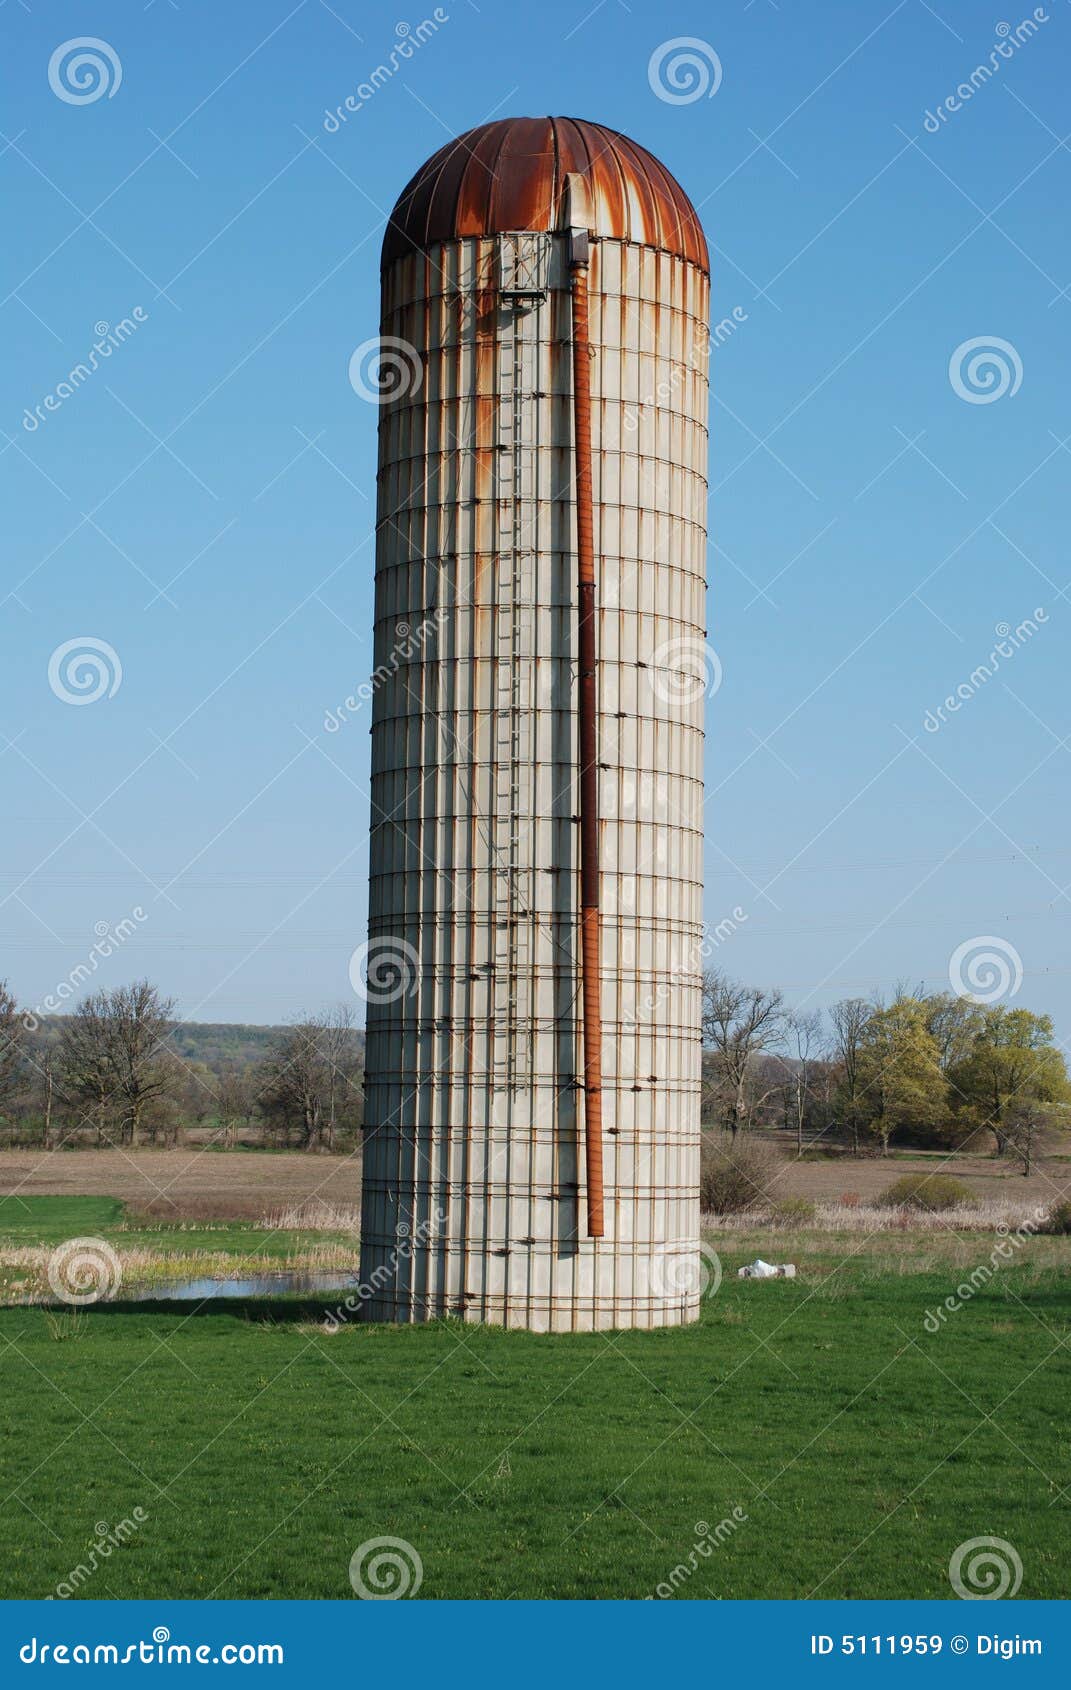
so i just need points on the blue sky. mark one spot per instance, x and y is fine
(204, 503)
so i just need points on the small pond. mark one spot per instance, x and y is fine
(260, 1285)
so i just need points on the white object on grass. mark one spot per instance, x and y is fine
(766, 1270)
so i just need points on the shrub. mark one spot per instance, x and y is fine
(792, 1211)
(927, 1191)
(1057, 1223)
(737, 1176)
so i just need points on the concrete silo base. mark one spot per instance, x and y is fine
(583, 1287)
(533, 1317)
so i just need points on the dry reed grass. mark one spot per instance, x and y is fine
(314, 1215)
(143, 1266)
(984, 1216)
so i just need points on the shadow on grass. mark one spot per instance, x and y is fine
(270, 1311)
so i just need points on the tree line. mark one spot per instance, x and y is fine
(926, 1069)
(108, 1074)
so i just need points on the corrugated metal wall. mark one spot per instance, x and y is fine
(473, 1150)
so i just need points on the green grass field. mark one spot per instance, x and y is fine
(49, 1220)
(861, 1448)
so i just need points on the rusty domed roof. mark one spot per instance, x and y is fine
(510, 174)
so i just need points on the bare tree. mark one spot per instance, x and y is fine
(137, 1022)
(850, 1019)
(310, 1076)
(339, 1052)
(298, 1085)
(805, 1036)
(1028, 1127)
(234, 1101)
(113, 1057)
(48, 1077)
(85, 1071)
(11, 1029)
(739, 1023)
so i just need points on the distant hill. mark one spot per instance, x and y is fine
(217, 1044)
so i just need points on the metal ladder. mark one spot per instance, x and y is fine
(522, 264)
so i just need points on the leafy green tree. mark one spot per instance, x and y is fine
(902, 1086)
(1012, 1063)
(954, 1023)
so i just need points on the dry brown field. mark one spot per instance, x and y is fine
(189, 1184)
(868, 1176)
(197, 1184)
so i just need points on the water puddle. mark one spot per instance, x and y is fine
(261, 1285)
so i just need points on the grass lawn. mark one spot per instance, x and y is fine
(861, 1448)
(49, 1220)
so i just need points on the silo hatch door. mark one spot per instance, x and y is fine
(523, 264)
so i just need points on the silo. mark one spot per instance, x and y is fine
(531, 1144)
